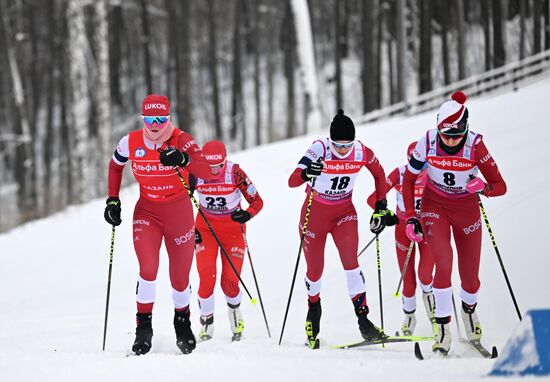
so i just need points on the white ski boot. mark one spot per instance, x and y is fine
(409, 323)
(429, 304)
(207, 327)
(236, 322)
(471, 322)
(443, 337)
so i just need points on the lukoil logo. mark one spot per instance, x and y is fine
(158, 106)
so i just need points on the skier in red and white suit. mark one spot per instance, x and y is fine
(332, 165)
(162, 211)
(220, 200)
(402, 243)
(453, 154)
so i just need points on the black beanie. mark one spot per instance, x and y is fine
(342, 127)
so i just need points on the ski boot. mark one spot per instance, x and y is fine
(144, 333)
(207, 327)
(368, 330)
(236, 322)
(471, 322)
(409, 323)
(313, 321)
(185, 340)
(443, 337)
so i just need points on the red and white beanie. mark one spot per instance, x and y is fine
(453, 115)
(155, 104)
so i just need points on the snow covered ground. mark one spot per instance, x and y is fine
(54, 274)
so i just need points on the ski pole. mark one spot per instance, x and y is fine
(255, 281)
(366, 246)
(411, 246)
(252, 300)
(498, 256)
(379, 282)
(304, 229)
(109, 285)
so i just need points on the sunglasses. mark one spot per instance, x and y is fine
(155, 119)
(453, 136)
(342, 145)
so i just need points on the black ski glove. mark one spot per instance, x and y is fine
(312, 171)
(198, 237)
(382, 217)
(241, 216)
(112, 211)
(173, 157)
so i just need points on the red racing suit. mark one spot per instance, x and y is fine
(447, 205)
(402, 242)
(162, 211)
(219, 198)
(332, 211)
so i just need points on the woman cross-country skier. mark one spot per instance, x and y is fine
(220, 200)
(162, 211)
(402, 243)
(332, 166)
(453, 154)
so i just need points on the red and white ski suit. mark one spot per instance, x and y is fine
(332, 211)
(447, 205)
(162, 211)
(402, 242)
(219, 198)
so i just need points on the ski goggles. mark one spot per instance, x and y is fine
(152, 119)
(342, 145)
(453, 133)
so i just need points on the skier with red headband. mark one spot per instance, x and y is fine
(162, 211)
(453, 155)
(402, 243)
(330, 167)
(220, 201)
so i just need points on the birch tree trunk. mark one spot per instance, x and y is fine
(213, 68)
(308, 67)
(486, 25)
(257, 89)
(537, 14)
(369, 68)
(461, 37)
(102, 94)
(289, 47)
(339, 102)
(146, 41)
(80, 105)
(499, 52)
(24, 152)
(425, 68)
(401, 51)
(237, 120)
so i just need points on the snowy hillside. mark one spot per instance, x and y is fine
(54, 274)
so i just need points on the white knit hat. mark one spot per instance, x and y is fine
(453, 115)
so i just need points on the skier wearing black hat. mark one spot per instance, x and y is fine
(330, 167)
